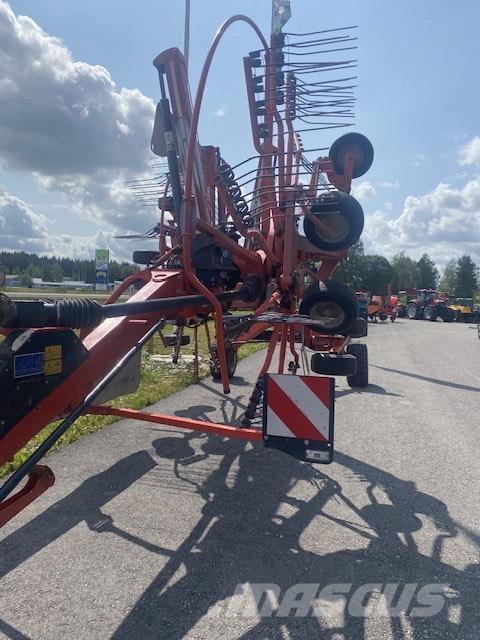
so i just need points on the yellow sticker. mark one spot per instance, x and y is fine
(52, 367)
(53, 352)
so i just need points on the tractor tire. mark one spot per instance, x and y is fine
(413, 312)
(144, 257)
(343, 216)
(328, 365)
(360, 377)
(458, 316)
(401, 312)
(448, 315)
(382, 316)
(334, 302)
(358, 329)
(232, 361)
(355, 143)
(430, 313)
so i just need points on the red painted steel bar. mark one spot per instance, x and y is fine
(39, 480)
(188, 203)
(253, 435)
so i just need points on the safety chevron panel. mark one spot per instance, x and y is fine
(298, 415)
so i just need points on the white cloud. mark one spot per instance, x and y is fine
(445, 223)
(419, 160)
(21, 229)
(67, 123)
(470, 152)
(222, 106)
(363, 190)
(390, 185)
(456, 136)
(58, 116)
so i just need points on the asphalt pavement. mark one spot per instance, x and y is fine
(156, 533)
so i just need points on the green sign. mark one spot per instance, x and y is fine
(101, 269)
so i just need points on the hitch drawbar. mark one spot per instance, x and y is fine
(76, 313)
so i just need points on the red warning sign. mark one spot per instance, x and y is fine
(299, 407)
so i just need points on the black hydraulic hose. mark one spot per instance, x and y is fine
(151, 306)
(48, 443)
(84, 312)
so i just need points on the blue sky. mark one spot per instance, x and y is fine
(417, 100)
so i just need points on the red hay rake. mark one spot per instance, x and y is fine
(263, 236)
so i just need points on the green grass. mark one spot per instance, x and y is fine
(157, 381)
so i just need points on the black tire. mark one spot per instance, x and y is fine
(343, 214)
(357, 143)
(401, 312)
(458, 316)
(413, 312)
(171, 340)
(382, 316)
(448, 315)
(333, 301)
(360, 377)
(358, 329)
(329, 365)
(232, 361)
(144, 257)
(430, 313)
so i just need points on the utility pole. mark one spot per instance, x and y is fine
(186, 36)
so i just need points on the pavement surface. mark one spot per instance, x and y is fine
(155, 533)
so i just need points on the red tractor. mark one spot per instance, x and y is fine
(428, 306)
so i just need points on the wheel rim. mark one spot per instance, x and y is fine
(359, 146)
(328, 314)
(353, 148)
(336, 227)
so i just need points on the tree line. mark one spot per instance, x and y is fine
(362, 272)
(374, 273)
(29, 265)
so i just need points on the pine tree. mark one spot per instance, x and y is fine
(448, 283)
(427, 273)
(405, 272)
(350, 271)
(466, 277)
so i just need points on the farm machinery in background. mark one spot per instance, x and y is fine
(429, 305)
(403, 298)
(376, 307)
(261, 237)
(465, 310)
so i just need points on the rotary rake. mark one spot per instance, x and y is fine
(263, 237)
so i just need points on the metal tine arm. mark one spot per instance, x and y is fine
(314, 33)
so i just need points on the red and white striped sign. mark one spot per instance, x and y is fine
(299, 407)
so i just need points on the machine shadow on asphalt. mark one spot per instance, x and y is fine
(239, 516)
(417, 376)
(371, 388)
